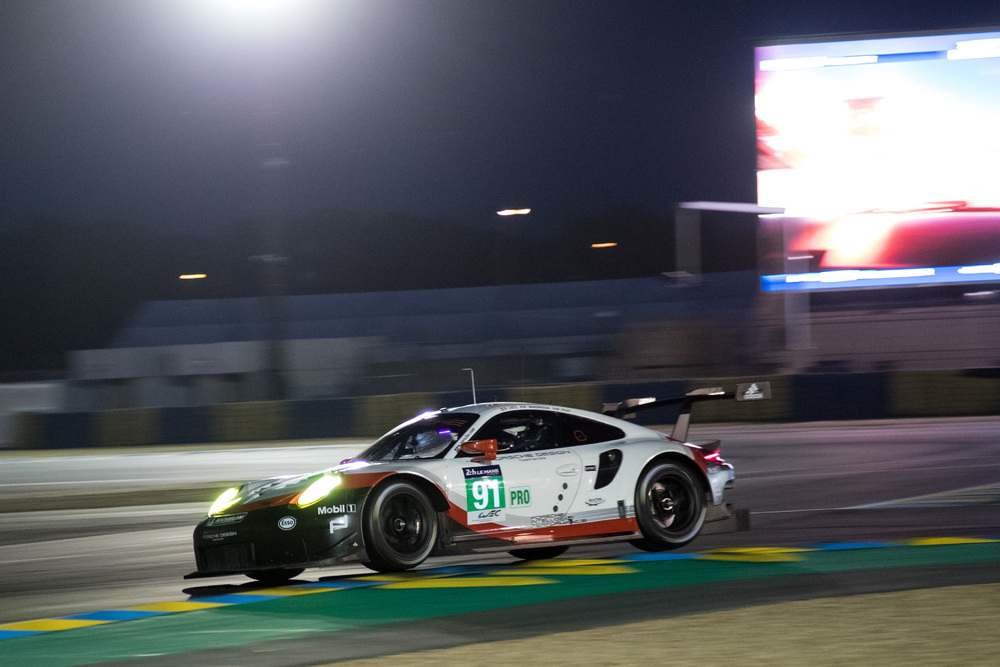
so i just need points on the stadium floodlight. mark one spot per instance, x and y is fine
(242, 13)
(257, 20)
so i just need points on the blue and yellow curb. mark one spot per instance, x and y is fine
(530, 573)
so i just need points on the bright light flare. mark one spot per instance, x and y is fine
(604, 244)
(254, 11)
(787, 64)
(975, 48)
(192, 276)
(981, 268)
(513, 211)
(257, 18)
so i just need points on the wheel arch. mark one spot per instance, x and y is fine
(680, 459)
(434, 494)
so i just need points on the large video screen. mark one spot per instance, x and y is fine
(885, 155)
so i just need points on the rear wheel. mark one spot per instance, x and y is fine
(277, 576)
(400, 527)
(670, 507)
(542, 553)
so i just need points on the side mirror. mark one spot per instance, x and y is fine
(487, 449)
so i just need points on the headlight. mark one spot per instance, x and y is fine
(318, 490)
(226, 499)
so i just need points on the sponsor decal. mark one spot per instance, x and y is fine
(594, 502)
(520, 496)
(546, 520)
(753, 391)
(482, 471)
(484, 489)
(590, 468)
(339, 523)
(486, 516)
(218, 535)
(227, 520)
(532, 406)
(544, 454)
(348, 508)
(287, 522)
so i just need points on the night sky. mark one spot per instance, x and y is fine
(151, 113)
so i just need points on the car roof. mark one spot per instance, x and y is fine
(496, 407)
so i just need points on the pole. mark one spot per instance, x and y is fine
(798, 320)
(272, 164)
(472, 377)
(687, 242)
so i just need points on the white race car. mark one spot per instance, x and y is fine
(529, 479)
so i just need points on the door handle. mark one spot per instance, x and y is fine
(568, 470)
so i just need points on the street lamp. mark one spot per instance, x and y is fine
(192, 276)
(472, 377)
(507, 212)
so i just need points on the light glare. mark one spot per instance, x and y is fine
(975, 48)
(257, 20)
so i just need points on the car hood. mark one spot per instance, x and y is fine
(275, 490)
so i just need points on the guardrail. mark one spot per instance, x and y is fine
(794, 398)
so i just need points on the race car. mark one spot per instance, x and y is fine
(529, 479)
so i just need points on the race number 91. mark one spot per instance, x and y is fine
(484, 489)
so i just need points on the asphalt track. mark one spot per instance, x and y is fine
(806, 484)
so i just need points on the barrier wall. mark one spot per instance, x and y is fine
(250, 420)
(794, 398)
(930, 394)
(123, 428)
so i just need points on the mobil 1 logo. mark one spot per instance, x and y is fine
(484, 493)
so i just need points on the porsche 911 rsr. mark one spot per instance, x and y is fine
(525, 478)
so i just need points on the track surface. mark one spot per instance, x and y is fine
(805, 483)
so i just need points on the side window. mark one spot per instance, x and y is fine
(521, 431)
(580, 431)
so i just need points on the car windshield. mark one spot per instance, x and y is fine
(425, 438)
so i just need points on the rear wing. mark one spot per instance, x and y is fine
(749, 391)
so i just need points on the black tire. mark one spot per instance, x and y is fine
(277, 576)
(541, 553)
(400, 527)
(669, 506)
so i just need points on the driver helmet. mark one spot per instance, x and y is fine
(430, 443)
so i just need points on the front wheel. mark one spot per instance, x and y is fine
(275, 576)
(400, 527)
(542, 553)
(670, 507)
